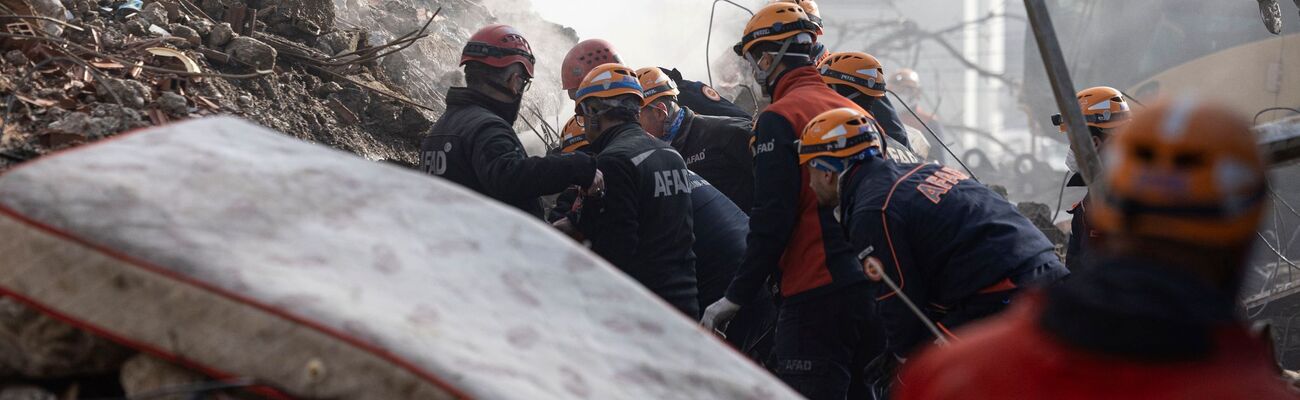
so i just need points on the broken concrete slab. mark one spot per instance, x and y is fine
(220, 35)
(252, 52)
(172, 103)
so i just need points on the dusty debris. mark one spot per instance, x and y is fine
(190, 35)
(220, 35)
(144, 374)
(16, 57)
(1041, 215)
(25, 392)
(252, 52)
(154, 13)
(36, 346)
(132, 93)
(173, 104)
(106, 122)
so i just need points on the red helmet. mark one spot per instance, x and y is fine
(582, 58)
(499, 46)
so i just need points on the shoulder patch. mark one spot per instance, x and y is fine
(710, 93)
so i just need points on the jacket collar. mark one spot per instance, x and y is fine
(615, 131)
(685, 130)
(462, 96)
(1137, 308)
(794, 78)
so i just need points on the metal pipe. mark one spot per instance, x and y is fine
(1063, 89)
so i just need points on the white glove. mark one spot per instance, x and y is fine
(1070, 162)
(719, 314)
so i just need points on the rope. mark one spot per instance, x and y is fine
(935, 136)
(943, 341)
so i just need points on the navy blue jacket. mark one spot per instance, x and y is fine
(643, 223)
(940, 236)
(720, 230)
(883, 111)
(703, 99)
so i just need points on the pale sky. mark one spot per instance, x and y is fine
(667, 33)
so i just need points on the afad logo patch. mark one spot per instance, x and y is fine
(939, 183)
(710, 93)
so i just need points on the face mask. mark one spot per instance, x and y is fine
(508, 110)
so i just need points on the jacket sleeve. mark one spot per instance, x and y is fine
(506, 172)
(739, 152)
(885, 115)
(563, 204)
(611, 221)
(777, 182)
(885, 236)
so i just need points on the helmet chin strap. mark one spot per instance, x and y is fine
(765, 76)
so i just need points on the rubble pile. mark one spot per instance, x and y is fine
(366, 77)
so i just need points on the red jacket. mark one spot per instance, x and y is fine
(1012, 357)
(787, 230)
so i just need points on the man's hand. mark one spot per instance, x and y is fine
(597, 187)
(719, 314)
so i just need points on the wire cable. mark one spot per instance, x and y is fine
(708, 39)
(1255, 121)
(934, 135)
(1060, 196)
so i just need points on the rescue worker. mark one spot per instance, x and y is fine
(719, 227)
(717, 148)
(1104, 110)
(642, 223)
(819, 51)
(703, 99)
(824, 335)
(474, 143)
(860, 77)
(954, 247)
(1156, 317)
(572, 138)
(581, 59)
(906, 84)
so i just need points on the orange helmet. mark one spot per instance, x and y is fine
(860, 71)
(809, 7)
(838, 137)
(600, 90)
(584, 56)
(906, 77)
(573, 138)
(655, 84)
(776, 22)
(1103, 107)
(1185, 171)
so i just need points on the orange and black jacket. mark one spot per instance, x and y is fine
(940, 236)
(788, 233)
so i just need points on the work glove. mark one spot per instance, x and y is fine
(719, 314)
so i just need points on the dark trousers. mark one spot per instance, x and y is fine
(974, 308)
(823, 344)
